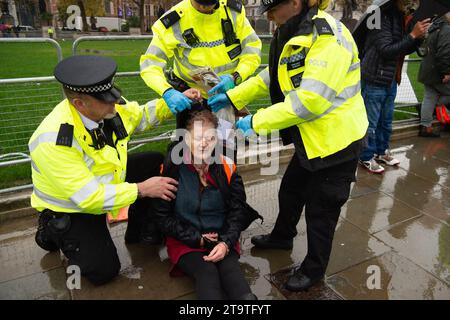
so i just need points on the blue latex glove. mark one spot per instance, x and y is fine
(223, 86)
(176, 101)
(245, 124)
(218, 102)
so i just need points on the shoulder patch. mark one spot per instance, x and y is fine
(236, 5)
(170, 19)
(65, 135)
(323, 27)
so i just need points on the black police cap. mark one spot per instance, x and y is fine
(92, 75)
(268, 4)
(207, 2)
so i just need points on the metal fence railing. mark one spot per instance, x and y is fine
(24, 102)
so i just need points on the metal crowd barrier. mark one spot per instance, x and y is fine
(24, 102)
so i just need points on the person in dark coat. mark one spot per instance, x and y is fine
(382, 58)
(435, 73)
(203, 225)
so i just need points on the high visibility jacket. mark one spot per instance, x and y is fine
(75, 177)
(210, 50)
(319, 74)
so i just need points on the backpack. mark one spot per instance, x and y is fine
(442, 114)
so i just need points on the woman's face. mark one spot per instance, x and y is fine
(202, 140)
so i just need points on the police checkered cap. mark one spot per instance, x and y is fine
(92, 75)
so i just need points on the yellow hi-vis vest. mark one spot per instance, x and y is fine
(319, 74)
(210, 50)
(79, 178)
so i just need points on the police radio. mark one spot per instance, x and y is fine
(190, 37)
(228, 32)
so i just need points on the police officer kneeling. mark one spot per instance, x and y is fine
(80, 171)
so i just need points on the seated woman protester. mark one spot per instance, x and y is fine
(203, 225)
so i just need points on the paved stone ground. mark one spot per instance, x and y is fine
(398, 222)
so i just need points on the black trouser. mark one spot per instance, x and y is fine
(140, 167)
(215, 281)
(322, 193)
(85, 239)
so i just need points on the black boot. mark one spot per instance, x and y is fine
(300, 281)
(266, 241)
(42, 237)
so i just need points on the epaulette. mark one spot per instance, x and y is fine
(65, 135)
(322, 26)
(170, 19)
(235, 5)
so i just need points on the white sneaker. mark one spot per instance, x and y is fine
(387, 159)
(372, 166)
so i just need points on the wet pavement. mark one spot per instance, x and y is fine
(392, 242)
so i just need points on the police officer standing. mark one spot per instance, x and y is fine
(314, 83)
(198, 33)
(80, 169)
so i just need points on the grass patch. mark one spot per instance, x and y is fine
(24, 106)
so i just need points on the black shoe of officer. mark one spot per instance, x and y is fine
(300, 282)
(265, 241)
(42, 237)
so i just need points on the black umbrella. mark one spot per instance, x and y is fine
(361, 29)
(427, 9)
(431, 9)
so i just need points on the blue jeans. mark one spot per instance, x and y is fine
(379, 103)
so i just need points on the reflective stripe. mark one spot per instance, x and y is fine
(154, 50)
(229, 66)
(122, 175)
(88, 161)
(249, 39)
(110, 197)
(85, 192)
(234, 17)
(354, 66)
(265, 76)
(298, 107)
(49, 137)
(33, 165)
(339, 31)
(251, 50)
(184, 60)
(152, 112)
(180, 73)
(106, 178)
(54, 201)
(342, 40)
(345, 95)
(150, 63)
(143, 123)
(150, 108)
(177, 34)
(319, 88)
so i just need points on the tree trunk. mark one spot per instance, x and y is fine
(141, 15)
(141, 4)
(83, 15)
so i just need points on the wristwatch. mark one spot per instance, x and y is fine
(237, 78)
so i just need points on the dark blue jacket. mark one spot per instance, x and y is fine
(384, 47)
